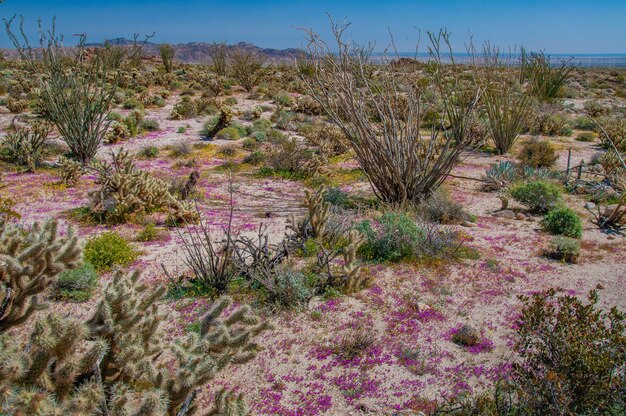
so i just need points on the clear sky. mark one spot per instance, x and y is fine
(556, 26)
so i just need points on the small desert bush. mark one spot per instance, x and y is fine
(228, 133)
(181, 150)
(394, 237)
(538, 154)
(291, 158)
(76, 285)
(441, 208)
(571, 356)
(595, 109)
(108, 250)
(254, 158)
(563, 221)
(289, 289)
(148, 233)
(538, 196)
(585, 137)
(149, 125)
(149, 152)
(583, 123)
(563, 249)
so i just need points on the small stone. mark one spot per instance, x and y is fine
(590, 206)
(610, 237)
(466, 336)
(599, 286)
(507, 214)
(467, 224)
(520, 216)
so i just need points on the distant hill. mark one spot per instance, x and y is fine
(201, 52)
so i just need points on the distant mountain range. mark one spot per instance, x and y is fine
(201, 52)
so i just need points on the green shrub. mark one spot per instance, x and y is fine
(564, 249)
(583, 123)
(149, 152)
(538, 154)
(441, 208)
(538, 196)
(76, 285)
(563, 221)
(149, 125)
(148, 233)
(228, 133)
(250, 143)
(289, 288)
(571, 356)
(337, 197)
(132, 104)
(585, 137)
(394, 237)
(108, 250)
(254, 158)
(181, 130)
(283, 99)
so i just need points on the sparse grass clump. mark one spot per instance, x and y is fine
(563, 221)
(538, 196)
(108, 250)
(441, 208)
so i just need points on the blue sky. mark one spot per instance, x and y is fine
(556, 26)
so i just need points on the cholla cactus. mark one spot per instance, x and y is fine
(128, 319)
(318, 210)
(51, 365)
(24, 145)
(29, 263)
(353, 280)
(125, 189)
(112, 362)
(224, 120)
(69, 171)
(228, 404)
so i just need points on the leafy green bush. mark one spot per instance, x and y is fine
(149, 125)
(228, 133)
(571, 356)
(563, 221)
(538, 154)
(76, 285)
(108, 250)
(148, 233)
(564, 249)
(394, 237)
(539, 196)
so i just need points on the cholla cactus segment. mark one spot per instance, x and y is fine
(227, 403)
(353, 280)
(42, 378)
(125, 190)
(29, 263)
(69, 171)
(318, 210)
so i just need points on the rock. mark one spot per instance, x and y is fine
(466, 336)
(590, 206)
(610, 237)
(520, 216)
(467, 224)
(507, 214)
(599, 286)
